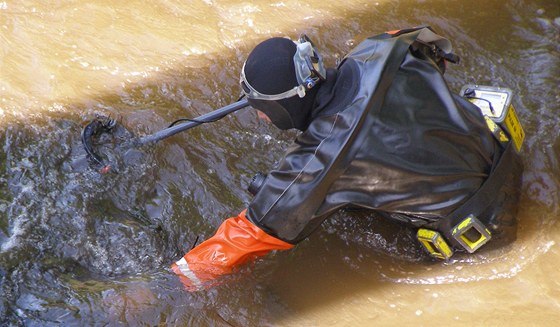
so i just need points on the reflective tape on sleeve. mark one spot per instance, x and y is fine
(187, 272)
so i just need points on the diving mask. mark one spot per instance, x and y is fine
(309, 69)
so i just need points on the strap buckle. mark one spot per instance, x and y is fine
(471, 233)
(434, 243)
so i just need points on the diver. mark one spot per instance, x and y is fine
(382, 131)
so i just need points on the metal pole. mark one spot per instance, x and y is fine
(211, 116)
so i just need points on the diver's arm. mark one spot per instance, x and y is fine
(236, 242)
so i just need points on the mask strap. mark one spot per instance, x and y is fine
(252, 93)
(309, 71)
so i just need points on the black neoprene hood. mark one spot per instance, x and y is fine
(270, 70)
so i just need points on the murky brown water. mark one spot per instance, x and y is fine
(78, 248)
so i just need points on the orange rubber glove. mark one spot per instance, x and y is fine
(236, 242)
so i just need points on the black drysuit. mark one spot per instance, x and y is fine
(390, 137)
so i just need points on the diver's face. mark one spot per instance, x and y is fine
(263, 116)
(277, 114)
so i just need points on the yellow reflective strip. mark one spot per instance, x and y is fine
(514, 128)
(444, 248)
(472, 245)
(461, 225)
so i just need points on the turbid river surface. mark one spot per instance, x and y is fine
(78, 248)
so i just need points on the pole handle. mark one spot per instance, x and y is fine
(211, 116)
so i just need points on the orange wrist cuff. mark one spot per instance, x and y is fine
(236, 242)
